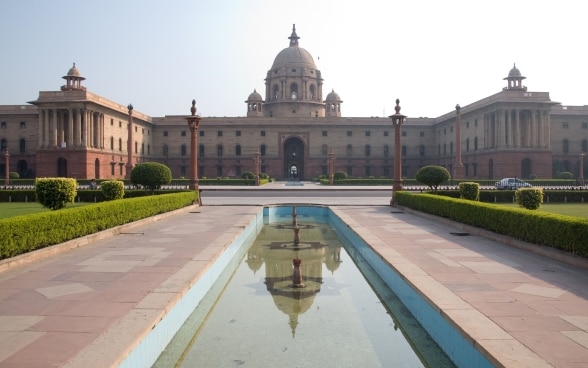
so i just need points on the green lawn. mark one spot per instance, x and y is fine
(22, 208)
(568, 209)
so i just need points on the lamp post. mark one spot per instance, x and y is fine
(458, 169)
(397, 120)
(7, 169)
(193, 122)
(581, 168)
(129, 164)
(331, 167)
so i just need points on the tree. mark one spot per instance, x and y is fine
(432, 176)
(113, 189)
(151, 175)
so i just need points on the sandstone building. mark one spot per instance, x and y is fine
(72, 132)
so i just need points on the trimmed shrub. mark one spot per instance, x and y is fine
(151, 175)
(340, 175)
(55, 193)
(565, 175)
(113, 189)
(248, 175)
(529, 198)
(432, 176)
(469, 190)
(13, 175)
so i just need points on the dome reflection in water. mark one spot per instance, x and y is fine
(327, 315)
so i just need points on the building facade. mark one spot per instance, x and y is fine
(72, 132)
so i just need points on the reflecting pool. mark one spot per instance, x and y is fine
(300, 297)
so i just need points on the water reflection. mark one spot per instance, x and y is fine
(281, 246)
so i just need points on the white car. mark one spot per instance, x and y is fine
(511, 183)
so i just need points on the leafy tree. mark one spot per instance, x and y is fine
(151, 175)
(55, 193)
(432, 176)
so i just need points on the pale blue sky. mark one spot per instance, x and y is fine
(159, 55)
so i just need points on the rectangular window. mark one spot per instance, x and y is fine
(201, 133)
(565, 125)
(367, 133)
(263, 133)
(421, 134)
(112, 124)
(404, 134)
(219, 133)
(120, 124)
(385, 133)
(183, 133)
(23, 125)
(349, 133)
(238, 133)
(324, 133)
(165, 133)
(584, 125)
(3, 125)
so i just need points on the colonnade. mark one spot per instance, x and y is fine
(517, 128)
(72, 127)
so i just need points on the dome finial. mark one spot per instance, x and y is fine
(293, 37)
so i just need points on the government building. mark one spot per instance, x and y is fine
(72, 132)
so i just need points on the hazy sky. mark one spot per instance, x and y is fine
(159, 55)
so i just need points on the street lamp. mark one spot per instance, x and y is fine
(129, 165)
(193, 122)
(458, 169)
(397, 120)
(581, 168)
(7, 169)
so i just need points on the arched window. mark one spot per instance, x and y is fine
(324, 150)
(368, 150)
(584, 145)
(566, 146)
(3, 144)
(136, 147)
(201, 150)
(421, 150)
(165, 150)
(219, 150)
(22, 145)
(386, 150)
(294, 91)
(262, 149)
(403, 151)
(120, 144)
(450, 148)
(238, 150)
(475, 143)
(312, 92)
(112, 143)
(276, 92)
(349, 150)
(183, 150)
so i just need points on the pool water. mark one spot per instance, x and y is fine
(338, 319)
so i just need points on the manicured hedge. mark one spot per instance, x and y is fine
(565, 233)
(22, 234)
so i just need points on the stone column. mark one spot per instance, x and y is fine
(54, 135)
(70, 131)
(547, 129)
(515, 130)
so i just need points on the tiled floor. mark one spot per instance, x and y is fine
(88, 306)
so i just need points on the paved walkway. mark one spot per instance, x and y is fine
(88, 306)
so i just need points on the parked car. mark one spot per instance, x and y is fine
(511, 183)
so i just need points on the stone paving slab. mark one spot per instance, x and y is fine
(87, 306)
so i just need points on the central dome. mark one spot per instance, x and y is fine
(294, 55)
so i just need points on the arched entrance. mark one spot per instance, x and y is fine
(526, 168)
(62, 167)
(294, 159)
